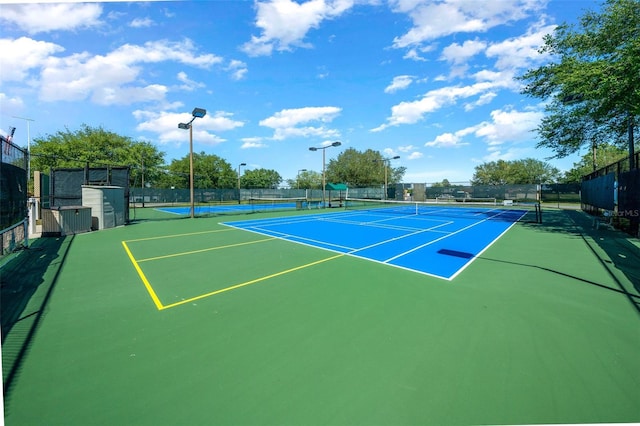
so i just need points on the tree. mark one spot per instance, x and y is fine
(591, 83)
(525, 171)
(605, 154)
(530, 170)
(492, 173)
(260, 178)
(96, 147)
(444, 184)
(146, 162)
(307, 179)
(362, 169)
(209, 171)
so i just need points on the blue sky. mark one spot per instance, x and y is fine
(430, 81)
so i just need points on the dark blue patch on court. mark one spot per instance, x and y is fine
(435, 244)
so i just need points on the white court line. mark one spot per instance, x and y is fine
(398, 238)
(374, 225)
(291, 237)
(440, 239)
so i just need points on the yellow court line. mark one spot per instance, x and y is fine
(257, 280)
(152, 293)
(204, 250)
(181, 235)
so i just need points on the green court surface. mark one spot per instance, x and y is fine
(188, 322)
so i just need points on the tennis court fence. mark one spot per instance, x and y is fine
(13, 200)
(221, 201)
(612, 194)
(414, 191)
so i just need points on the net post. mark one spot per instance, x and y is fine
(538, 213)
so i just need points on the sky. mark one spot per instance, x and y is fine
(430, 81)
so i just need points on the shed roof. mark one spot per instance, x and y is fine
(336, 187)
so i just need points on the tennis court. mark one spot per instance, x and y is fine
(199, 321)
(437, 240)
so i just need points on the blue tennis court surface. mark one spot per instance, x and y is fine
(439, 243)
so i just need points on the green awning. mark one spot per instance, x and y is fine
(336, 187)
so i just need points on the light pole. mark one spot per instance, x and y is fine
(323, 148)
(298, 178)
(239, 165)
(197, 113)
(28, 120)
(386, 165)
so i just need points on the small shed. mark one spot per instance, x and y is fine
(339, 188)
(107, 205)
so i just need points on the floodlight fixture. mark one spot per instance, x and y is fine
(199, 112)
(323, 148)
(184, 126)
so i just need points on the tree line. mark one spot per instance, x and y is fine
(97, 147)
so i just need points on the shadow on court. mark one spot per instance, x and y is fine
(612, 248)
(27, 282)
(620, 252)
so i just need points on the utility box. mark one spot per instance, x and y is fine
(107, 205)
(67, 220)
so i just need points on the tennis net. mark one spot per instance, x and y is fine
(276, 203)
(490, 210)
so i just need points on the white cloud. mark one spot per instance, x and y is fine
(448, 140)
(389, 152)
(285, 23)
(506, 126)
(118, 95)
(36, 18)
(220, 121)
(509, 126)
(188, 84)
(415, 53)
(457, 54)
(115, 77)
(141, 23)
(238, 69)
(483, 99)
(165, 125)
(520, 52)
(410, 112)
(164, 50)
(399, 83)
(406, 148)
(414, 56)
(509, 154)
(249, 143)
(26, 54)
(10, 105)
(286, 123)
(434, 19)
(415, 155)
